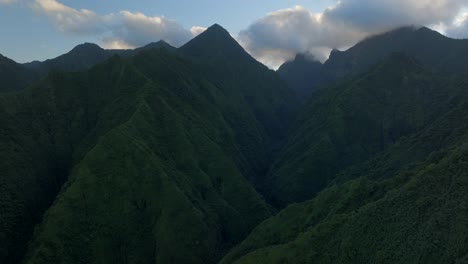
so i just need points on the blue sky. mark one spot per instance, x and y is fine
(30, 36)
(272, 31)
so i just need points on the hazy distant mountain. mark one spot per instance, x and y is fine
(133, 52)
(302, 74)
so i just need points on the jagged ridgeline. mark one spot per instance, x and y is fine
(153, 158)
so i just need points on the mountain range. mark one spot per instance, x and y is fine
(17, 76)
(201, 154)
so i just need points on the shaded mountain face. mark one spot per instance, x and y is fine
(350, 122)
(302, 74)
(242, 79)
(151, 157)
(397, 205)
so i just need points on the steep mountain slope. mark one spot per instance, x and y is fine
(41, 130)
(152, 150)
(302, 74)
(14, 76)
(255, 95)
(161, 177)
(406, 205)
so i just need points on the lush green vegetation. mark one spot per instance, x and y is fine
(164, 155)
(156, 153)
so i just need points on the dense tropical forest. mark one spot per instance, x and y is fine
(201, 154)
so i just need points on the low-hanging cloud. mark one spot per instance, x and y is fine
(281, 34)
(116, 30)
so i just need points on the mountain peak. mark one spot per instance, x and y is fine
(217, 28)
(86, 47)
(216, 31)
(214, 40)
(157, 45)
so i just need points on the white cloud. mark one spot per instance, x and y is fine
(68, 19)
(459, 28)
(137, 29)
(281, 34)
(197, 30)
(117, 30)
(277, 36)
(116, 44)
